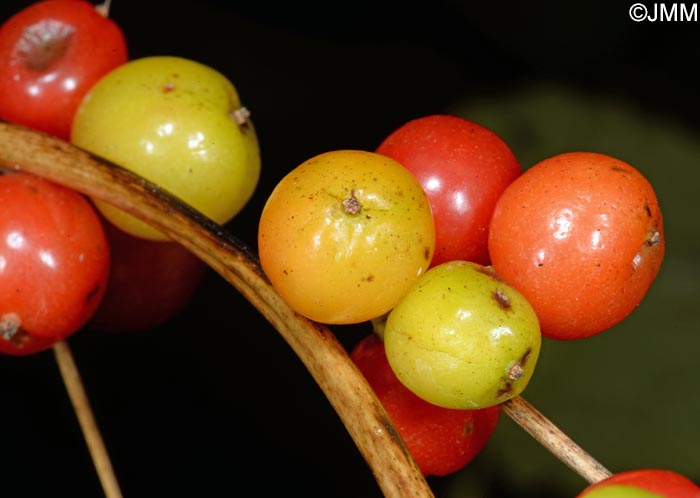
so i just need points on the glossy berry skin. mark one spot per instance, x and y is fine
(179, 124)
(665, 483)
(51, 53)
(441, 440)
(54, 263)
(581, 236)
(463, 338)
(621, 491)
(463, 168)
(343, 236)
(150, 282)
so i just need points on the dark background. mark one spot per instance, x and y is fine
(214, 403)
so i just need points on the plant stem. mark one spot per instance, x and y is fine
(81, 406)
(554, 439)
(354, 401)
(346, 389)
(103, 8)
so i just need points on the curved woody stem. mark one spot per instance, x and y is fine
(316, 346)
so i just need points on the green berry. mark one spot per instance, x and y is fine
(463, 338)
(621, 491)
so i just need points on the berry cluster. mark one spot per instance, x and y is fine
(69, 260)
(459, 260)
(565, 250)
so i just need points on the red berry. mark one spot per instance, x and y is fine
(581, 236)
(463, 168)
(54, 263)
(441, 440)
(51, 53)
(666, 483)
(150, 281)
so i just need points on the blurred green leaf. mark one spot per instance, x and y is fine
(629, 395)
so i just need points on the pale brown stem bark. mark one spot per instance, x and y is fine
(554, 439)
(86, 419)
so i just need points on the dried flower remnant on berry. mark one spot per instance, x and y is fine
(9, 325)
(351, 205)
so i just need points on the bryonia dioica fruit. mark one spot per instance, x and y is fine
(463, 168)
(662, 482)
(621, 491)
(463, 338)
(179, 124)
(51, 53)
(150, 282)
(54, 263)
(343, 236)
(581, 236)
(441, 440)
